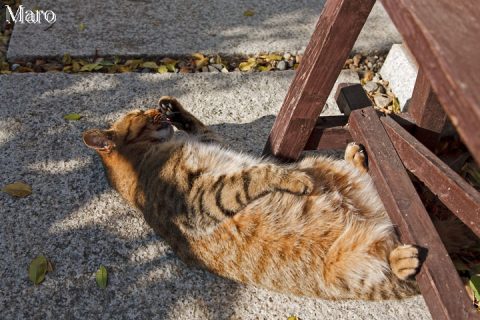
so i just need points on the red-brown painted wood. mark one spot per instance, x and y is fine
(427, 112)
(335, 33)
(438, 280)
(459, 196)
(329, 133)
(443, 35)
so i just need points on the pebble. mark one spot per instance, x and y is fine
(213, 69)
(224, 70)
(281, 65)
(204, 69)
(217, 66)
(370, 86)
(356, 59)
(145, 70)
(287, 56)
(381, 101)
(291, 63)
(15, 66)
(369, 65)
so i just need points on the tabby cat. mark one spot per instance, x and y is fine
(316, 227)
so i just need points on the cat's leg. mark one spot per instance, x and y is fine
(225, 195)
(355, 154)
(184, 120)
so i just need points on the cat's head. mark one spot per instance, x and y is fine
(137, 126)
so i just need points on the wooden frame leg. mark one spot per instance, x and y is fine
(455, 193)
(427, 112)
(437, 279)
(337, 29)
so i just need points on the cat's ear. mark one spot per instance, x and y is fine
(100, 140)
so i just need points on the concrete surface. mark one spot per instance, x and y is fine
(400, 69)
(181, 27)
(77, 221)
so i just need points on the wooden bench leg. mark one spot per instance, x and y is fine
(337, 29)
(459, 196)
(438, 280)
(427, 112)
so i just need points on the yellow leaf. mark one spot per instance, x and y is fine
(18, 189)
(91, 67)
(201, 63)
(162, 69)
(247, 66)
(264, 68)
(150, 65)
(82, 26)
(67, 69)
(293, 318)
(67, 59)
(170, 66)
(248, 13)
(101, 276)
(198, 56)
(218, 59)
(72, 116)
(169, 60)
(75, 66)
(38, 269)
(273, 57)
(396, 105)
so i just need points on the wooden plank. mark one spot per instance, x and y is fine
(459, 196)
(329, 133)
(427, 112)
(334, 36)
(443, 36)
(351, 97)
(438, 280)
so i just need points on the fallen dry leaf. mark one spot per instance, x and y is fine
(18, 189)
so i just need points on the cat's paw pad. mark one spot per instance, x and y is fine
(169, 106)
(404, 261)
(356, 155)
(297, 182)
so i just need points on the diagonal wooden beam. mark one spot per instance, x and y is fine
(459, 196)
(438, 280)
(335, 33)
(443, 37)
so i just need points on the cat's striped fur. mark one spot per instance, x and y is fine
(312, 228)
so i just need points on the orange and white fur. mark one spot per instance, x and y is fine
(316, 227)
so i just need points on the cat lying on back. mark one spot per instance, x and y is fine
(313, 228)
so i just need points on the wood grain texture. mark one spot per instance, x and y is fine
(443, 35)
(438, 280)
(329, 133)
(334, 36)
(459, 196)
(427, 112)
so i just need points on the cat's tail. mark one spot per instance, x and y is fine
(391, 289)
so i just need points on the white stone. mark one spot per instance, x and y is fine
(400, 70)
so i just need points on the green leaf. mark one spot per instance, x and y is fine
(474, 283)
(38, 269)
(101, 276)
(248, 13)
(171, 66)
(264, 68)
(150, 65)
(82, 26)
(17, 189)
(72, 116)
(396, 105)
(106, 63)
(162, 69)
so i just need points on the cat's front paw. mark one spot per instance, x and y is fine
(296, 182)
(404, 261)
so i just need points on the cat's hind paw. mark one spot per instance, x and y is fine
(404, 261)
(296, 182)
(356, 155)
